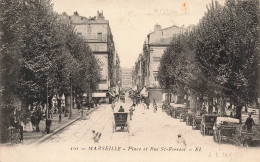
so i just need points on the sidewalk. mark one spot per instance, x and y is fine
(38, 137)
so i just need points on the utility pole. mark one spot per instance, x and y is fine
(47, 106)
(70, 98)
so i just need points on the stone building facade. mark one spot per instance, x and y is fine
(97, 34)
(148, 62)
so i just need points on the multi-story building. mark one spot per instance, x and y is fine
(126, 77)
(97, 34)
(149, 62)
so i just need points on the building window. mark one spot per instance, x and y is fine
(156, 59)
(99, 36)
(79, 34)
(89, 29)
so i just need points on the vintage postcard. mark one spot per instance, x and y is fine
(129, 80)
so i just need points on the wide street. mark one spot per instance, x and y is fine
(152, 136)
(155, 131)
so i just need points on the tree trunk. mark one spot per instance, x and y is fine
(199, 104)
(88, 101)
(222, 104)
(210, 102)
(193, 103)
(187, 100)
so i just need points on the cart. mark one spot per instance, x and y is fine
(196, 121)
(246, 139)
(189, 118)
(177, 109)
(121, 120)
(176, 112)
(224, 129)
(184, 114)
(207, 123)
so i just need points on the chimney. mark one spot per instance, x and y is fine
(76, 13)
(157, 27)
(100, 15)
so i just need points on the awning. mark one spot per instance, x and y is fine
(99, 95)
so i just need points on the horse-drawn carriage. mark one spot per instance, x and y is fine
(224, 129)
(170, 110)
(184, 114)
(244, 138)
(121, 120)
(189, 118)
(196, 121)
(207, 123)
(177, 109)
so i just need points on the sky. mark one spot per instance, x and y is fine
(132, 20)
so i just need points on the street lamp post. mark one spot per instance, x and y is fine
(70, 98)
(47, 106)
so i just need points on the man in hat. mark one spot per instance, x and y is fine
(249, 123)
(181, 141)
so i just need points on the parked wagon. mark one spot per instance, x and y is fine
(196, 121)
(168, 110)
(176, 112)
(207, 123)
(177, 109)
(184, 114)
(121, 120)
(224, 129)
(189, 118)
(244, 138)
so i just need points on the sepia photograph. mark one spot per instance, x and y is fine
(129, 80)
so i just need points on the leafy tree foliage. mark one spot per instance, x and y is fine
(219, 56)
(40, 49)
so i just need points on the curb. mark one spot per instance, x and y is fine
(47, 136)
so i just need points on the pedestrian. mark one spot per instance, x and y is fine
(145, 106)
(131, 110)
(231, 115)
(249, 123)
(113, 105)
(82, 113)
(210, 110)
(59, 117)
(216, 107)
(21, 133)
(181, 141)
(154, 106)
(48, 125)
(121, 109)
(147, 103)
